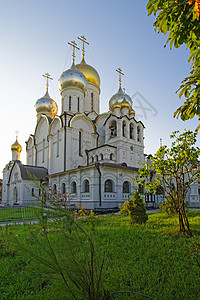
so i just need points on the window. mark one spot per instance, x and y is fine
(138, 134)
(70, 103)
(124, 128)
(54, 189)
(73, 187)
(92, 101)
(111, 156)
(101, 156)
(80, 143)
(57, 150)
(15, 195)
(108, 186)
(32, 192)
(63, 188)
(113, 129)
(141, 189)
(92, 159)
(43, 149)
(131, 131)
(126, 187)
(86, 186)
(78, 105)
(96, 157)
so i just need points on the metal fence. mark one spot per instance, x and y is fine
(18, 214)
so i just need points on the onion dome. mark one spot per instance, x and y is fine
(46, 105)
(73, 79)
(16, 146)
(90, 73)
(120, 99)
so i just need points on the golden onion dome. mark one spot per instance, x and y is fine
(72, 79)
(90, 73)
(121, 99)
(46, 105)
(16, 146)
(132, 112)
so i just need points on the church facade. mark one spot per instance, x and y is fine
(91, 156)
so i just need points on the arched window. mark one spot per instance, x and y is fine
(138, 134)
(57, 143)
(78, 104)
(32, 192)
(131, 131)
(96, 157)
(73, 187)
(54, 189)
(124, 128)
(126, 187)
(15, 195)
(70, 103)
(92, 101)
(111, 156)
(86, 186)
(101, 156)
(113, 129)
(108, 186)
(80, 143)
(63, 188)
(43, 149)
(92, 159)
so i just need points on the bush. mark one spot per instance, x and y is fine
(135, 209)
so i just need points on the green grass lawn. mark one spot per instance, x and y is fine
(149, 259)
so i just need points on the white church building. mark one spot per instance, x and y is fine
(91, 156)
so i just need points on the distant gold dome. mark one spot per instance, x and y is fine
(16, 146)
(90, 73)
(46, 105)
(120, 99)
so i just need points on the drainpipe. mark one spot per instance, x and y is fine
(65, 142)
(98, 169)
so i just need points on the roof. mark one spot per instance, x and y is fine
(30, 172)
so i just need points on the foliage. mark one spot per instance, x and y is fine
(7, 243)
(135, 257)
(135, 209)
(176, 168)
(77, 260)
(180, 19)
(167, 206)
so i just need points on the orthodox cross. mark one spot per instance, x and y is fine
(83, 39)
(119, 70)
(16, 134)
(47, 76)
(160, 142)
(74, 45)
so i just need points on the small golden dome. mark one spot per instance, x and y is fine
(132, 112)
(116, 106)
(16, 146)
(90, 73)
(46, 105)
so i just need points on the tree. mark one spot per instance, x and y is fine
(181, 20)
(175, 169)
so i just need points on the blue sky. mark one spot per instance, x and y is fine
(34, 36)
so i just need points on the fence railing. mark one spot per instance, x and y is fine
(18, 214)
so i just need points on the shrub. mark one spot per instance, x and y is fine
(135, 209)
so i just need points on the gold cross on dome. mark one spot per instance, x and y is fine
(119, 70)
(16, 134)
(83, 39)
(74, 45)
(47, 76)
